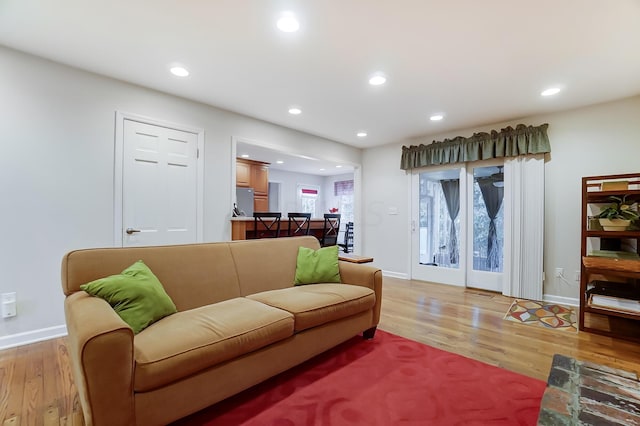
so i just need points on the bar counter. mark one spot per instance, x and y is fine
(242, 228)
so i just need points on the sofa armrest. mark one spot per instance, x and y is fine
(366, 276)
(101, 350)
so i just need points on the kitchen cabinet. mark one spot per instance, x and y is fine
(260, 179)
(260, 203)
(243, 174)
(254, 174)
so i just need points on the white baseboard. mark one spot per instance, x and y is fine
(561, 300)
(34, 336)
(399, 275)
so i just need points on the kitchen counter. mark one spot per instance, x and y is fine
(242, 227)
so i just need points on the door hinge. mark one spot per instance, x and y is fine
(197, 152)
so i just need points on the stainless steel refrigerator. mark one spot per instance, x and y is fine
(244, 200)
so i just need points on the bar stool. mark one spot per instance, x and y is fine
(330, 230)
(347, 245)
(299, 224)
(266, 224)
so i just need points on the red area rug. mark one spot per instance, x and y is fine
(385, 381)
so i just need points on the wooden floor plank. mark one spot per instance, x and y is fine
(70, 404)
(51, 379)
(32, 412)
(16, 383)
(7, 366)
(51, 416)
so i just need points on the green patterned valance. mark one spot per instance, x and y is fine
(507, 142)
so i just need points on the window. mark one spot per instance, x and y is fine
(344, 191)
(307, 199)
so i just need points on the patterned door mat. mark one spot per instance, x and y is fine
(542, 314)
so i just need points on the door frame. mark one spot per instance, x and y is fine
(466, 234)
(357, 180)
(118, 181)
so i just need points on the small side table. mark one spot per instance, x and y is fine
(354, 259)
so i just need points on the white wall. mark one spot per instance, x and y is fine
(600, 139)
(56, 172)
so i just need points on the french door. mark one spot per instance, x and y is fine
(458, 225)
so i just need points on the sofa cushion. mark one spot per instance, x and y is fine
(135, 294)
(190, 341)
(317, 266)
(317, 304)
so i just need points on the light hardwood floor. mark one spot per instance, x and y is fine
(37, 387)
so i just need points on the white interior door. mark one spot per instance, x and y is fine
(160, 185)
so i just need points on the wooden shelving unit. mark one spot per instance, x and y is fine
(609, 276)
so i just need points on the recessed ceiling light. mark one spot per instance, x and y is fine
(338, 166)
(280, 162)
(322, 170)
(179, 71)
(550, 91)
(436, 117)
(295, 111)
(377, 79)
(361, 134)
(288, 23)
(245, 156)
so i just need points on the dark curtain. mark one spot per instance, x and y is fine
(451, 190)
(508, 142)
(492, 196)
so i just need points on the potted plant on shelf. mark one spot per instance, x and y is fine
(618, 215)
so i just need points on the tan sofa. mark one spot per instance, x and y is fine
(240, 320)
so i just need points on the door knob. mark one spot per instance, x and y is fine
(131, 231)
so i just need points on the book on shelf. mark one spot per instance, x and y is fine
(614, 303)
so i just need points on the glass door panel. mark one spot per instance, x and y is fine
(438, 226)
(487, 224)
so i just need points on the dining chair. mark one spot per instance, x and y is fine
(299, 224)
(330, 229)
(347, 244)
(266, 224)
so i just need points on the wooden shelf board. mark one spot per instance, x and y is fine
(603, 310)
(613, 234)
(604, 264)
(597, 197)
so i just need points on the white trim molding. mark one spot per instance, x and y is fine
(33, 336)
(392, 274)
(561, 300)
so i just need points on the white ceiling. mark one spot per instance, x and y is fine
(478, 62)
(291, 162)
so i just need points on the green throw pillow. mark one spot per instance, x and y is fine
(135, 294)
(317, 266)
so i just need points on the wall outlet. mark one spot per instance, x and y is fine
(559, 272)
(8, 304)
